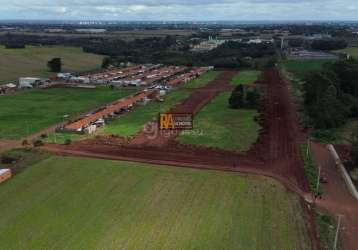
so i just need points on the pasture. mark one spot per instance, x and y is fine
(246, 77)
(78, 203)
(216, 125)
(28, 112)
(32, 61)
(353, 51)
(202, 81)
(300, 68)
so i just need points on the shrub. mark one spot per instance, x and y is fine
(68, 141)
(38, 143)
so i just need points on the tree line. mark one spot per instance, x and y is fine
(331, 95)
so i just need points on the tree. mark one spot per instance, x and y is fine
(236, 99)
(252, 98)
(329, 112)
(55, 65)
(353, 140)
(106, 62)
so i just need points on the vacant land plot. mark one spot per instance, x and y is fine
(30, 111)
(79, 203)
(300, 68)
(202, 81)
(32, 61)
(219, 126)
(133, 122)
(353, 51)
(245, 77)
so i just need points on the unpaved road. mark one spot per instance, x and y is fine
(336, 198)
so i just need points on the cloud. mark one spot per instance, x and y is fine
(180, 9)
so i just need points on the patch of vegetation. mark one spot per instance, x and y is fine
(327, 136)
(354, 175)
(32, 61)
(62, 138)
(132, 123)
(111, 205)
(27, 112)
(310, 169)
(353, 51)
(326, 229)
(344, 132)
(203, 80)
(301, 68)
(246, 77)
(218, 126)
(19, 159)
(331, 95)
(244, 97)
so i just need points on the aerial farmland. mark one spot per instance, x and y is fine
(158, 141)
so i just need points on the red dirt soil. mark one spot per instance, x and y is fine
(192, 105)
(336, 197)
(276, 154)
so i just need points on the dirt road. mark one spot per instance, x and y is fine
(336, 198)
(193, 105)
(276, 153)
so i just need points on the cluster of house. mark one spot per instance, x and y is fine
(24, 83)
(160, 80)
(135, 76)
(90, 122)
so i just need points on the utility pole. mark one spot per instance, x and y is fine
(337, 232)
(318, 179)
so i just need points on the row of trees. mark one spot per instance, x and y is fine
(331, 95)
(229, 55)
(244, 97)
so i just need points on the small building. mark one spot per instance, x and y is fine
(28, 82)
(5, 174)
(64, 76)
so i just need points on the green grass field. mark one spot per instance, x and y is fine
(202, 81)
(300, 68)
(30, 111)
(353, 51)
(77, 203)
(133, 122)
(217, 125)
(32, 61)
(246, 76)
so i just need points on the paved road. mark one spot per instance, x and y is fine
(336, 197)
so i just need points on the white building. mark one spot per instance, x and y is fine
(28, 82)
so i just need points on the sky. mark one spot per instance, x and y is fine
(180, 10)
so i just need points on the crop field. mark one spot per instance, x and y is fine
(300, 68)
(32, 61)
(245, 77)
(28, 112)
(353, 51)
(203, 80)
(79, 203)
(218, 126)
(133, 122)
